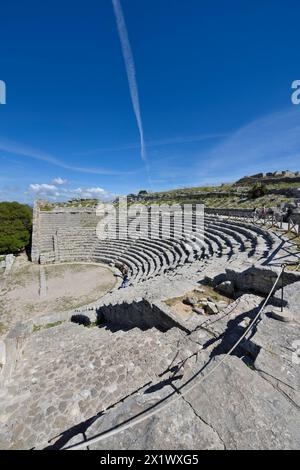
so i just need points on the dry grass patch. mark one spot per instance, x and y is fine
(201, 294)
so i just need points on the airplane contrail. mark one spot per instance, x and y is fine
(156, 143)
(131, 75)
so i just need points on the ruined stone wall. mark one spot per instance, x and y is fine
(139, 313)
(35, 249)
(289, 192)
(7, 263)
(47, 224)
(260, 279)
(230, 212)
(268, 180)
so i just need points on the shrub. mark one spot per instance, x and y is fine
(258, 190)
(80, 319)
(15, 227)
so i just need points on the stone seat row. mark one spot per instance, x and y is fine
(146, 257)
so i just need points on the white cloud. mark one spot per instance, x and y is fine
(58, 181)
(90, 192)
(43, 190)
(60, 193)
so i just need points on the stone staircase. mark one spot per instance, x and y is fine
(72, 381)
(66, 372)
(250, 402)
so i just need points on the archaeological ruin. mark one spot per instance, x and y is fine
(200, 351)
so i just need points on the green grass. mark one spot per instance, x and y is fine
(294, 238)
(282, 185)
(3, 328)
(48, 325)
(225, 202)
(93, 324)
(49, 206)
(46, 207)
(234, 197)
(237, 196)
(208, 292)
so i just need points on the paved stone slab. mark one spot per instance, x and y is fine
(175, 428)
(245, 409)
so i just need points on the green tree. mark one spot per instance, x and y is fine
(258, 190)
(15, 227)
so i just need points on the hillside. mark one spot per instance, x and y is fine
(281, 189)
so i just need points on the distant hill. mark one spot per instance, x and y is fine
(276, 177)
(269, 190)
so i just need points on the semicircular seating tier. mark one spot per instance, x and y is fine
(71, 236)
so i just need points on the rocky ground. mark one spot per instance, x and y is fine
(68, 383)
(72, 383)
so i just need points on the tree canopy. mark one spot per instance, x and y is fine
(258, 190)
(15, 227)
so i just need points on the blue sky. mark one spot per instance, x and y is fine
(214, 88)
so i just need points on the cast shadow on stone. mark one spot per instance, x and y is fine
(247, 351)
(140, 314)
(67, 435)
(163, 383)
(81, 428)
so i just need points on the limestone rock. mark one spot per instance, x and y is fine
(199, 290)
(245, 323)
(281, 373)
(226, 288)
(162, 431)
(190, 301)
(199, 311)
(222, 304)
(284, 316)
(247, 411)
(211, 308)
(277, 344)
